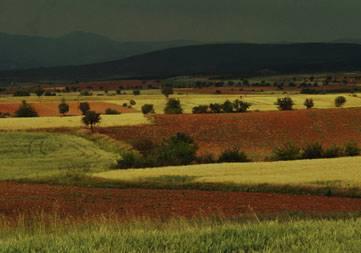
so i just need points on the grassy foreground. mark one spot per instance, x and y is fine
(182, 236)
(340, 173)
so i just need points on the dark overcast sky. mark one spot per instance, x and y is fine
(204, 20)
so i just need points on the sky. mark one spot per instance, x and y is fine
(202, 20)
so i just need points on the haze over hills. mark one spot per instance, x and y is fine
(215, 59)
(76, 48)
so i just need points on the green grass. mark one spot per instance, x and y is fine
(37, 155)
(337, 174)
(183, 236)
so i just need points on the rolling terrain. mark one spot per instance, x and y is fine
(213, 59)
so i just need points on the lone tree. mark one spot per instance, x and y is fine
(148, 108)
(63, 107)
(25, 110)
(340, 101)
(241, 106)
(84, 107)
(309, 103)
(285, 104)
(167, 90)
(173, 106)
(91, 118)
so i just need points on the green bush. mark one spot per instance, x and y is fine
(148, 108)
(286, 152)
(333, 152)
(352, 149)
(309, 103)
(227, 107)
(25, 110)
(200, 109)
(215, 108)
(285, 104)
(313, 151)
(340, 101)
(130, 160)
(173, 106)
(110, 111)
(233, 156)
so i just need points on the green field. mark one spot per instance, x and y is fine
(37, 155)
(183, 236)
(71, 122)
(339, 173)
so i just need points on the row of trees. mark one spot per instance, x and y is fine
(287, 103)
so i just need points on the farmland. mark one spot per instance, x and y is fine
(54, 170)
(336, 174)
(37, 155)
(255, 133)
(259, 101)
(183, 236)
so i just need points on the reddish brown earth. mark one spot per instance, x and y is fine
(27, 199)
(51, 108)
(256, 133)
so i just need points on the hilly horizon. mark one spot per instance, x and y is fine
(210, 59)
(74, 48)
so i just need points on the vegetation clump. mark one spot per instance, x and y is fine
(25, 110)
(84, 107)
(173, 106)
(110, 111)
(285, 104)
(148, 109)
(340, 101)
(63, 107)
(91, 119)
(233, 156)
(309, 104)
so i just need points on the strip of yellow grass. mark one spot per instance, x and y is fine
(70, 122)
(345, 172)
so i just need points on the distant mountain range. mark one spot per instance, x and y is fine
(76, 48)
(215, 59)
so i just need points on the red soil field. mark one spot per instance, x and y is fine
(51, 108)
(256, 133)
(65, 201)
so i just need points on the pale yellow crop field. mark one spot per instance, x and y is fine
(125, 119)
(342, 172)
(261, 102)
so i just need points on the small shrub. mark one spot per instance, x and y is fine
(25, 110)
(144, 146)
(167, 90)
(215, 108)
(309, 103)
(136, 92)
(125, 105)
(130, 160)
(200, 109)
(132, 102)
(91, 118)
(110, 111)
(241, 106)
(286, 152)
(49, 93)
(313, 151)
(206, 159)
(352, 149)
(148, 108)
(84, 107)
(333, 152)
(285, 104)
(340, 101)
(63, 107)
(173, 106)
(227, 107)
(233, 156)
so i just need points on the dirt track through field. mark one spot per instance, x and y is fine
(27, 199)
